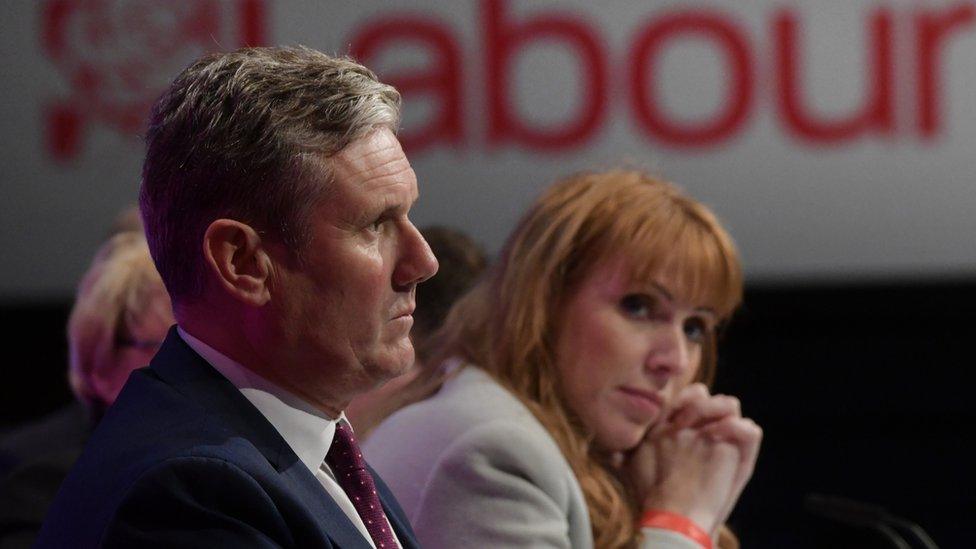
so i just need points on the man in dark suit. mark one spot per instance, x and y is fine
(275, 197)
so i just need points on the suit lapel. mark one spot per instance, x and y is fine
(187, 372)
(334, 522)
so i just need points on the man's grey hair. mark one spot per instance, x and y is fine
(246, 135)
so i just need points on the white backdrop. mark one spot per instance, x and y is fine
(834, 137)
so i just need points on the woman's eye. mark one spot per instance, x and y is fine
(696, 329)
(637, 305)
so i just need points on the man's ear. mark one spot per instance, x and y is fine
(238, 260)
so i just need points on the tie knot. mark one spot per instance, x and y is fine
(344, 454)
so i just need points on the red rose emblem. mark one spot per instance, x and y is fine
(118, 55)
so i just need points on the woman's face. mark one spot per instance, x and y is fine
(624, 350)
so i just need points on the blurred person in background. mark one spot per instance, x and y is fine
(119, 319)
(580, 416)
(462, 261)
(65, 425)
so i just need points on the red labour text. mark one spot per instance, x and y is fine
(504, 37)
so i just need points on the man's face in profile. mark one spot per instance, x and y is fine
(347, 306)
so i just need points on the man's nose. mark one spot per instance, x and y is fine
(417, 262)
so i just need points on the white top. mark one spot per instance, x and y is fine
(306, 429)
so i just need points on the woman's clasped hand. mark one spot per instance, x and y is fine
(697, 461)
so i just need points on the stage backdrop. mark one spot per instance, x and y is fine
(835, 137)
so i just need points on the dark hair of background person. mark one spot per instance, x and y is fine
(462, 262)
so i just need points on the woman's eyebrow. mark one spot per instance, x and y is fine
(708, 310)
(659, 288)
(662, 290)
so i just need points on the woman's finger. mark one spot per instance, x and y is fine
(746, 435)
(696, 411)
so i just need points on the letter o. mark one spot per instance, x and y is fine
(644, 54)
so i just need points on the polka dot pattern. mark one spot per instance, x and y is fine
(346, 461)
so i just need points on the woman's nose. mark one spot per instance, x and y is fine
(669, 355)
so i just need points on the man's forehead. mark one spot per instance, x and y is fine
(370, 174)
(377, 154)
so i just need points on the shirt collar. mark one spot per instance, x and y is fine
(306, 429)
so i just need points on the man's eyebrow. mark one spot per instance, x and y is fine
(388, 209)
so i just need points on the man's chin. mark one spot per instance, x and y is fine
(394, 364)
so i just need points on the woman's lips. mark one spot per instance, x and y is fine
(643, 404)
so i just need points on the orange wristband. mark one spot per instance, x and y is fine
(676, 523)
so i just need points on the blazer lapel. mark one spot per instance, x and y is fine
(180, 366)
(334, 522)
(187, 372)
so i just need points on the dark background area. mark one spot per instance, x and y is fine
(862, 391)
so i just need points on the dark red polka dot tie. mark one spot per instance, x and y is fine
(347, 463)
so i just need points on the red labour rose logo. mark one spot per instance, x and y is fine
(117, 56)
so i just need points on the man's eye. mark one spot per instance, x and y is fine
(696, 329)
(639, 306)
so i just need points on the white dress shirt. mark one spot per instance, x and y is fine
(306, 429)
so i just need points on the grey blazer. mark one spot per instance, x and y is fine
(472, 467)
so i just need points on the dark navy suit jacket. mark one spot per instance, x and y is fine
(182, 459)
